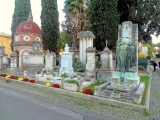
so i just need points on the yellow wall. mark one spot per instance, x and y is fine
(5, 39)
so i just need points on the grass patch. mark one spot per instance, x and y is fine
(92, 86)
(3, 72)
(144, 79)
(40, 82)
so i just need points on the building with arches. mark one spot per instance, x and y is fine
(24, 35)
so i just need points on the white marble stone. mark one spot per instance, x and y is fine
(66, 63)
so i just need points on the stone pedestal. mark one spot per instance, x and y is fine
(66, 62)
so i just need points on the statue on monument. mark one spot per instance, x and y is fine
(125, 55)
(66, 49)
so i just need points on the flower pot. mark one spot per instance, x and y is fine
(70, 86)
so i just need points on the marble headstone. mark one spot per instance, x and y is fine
(66, 62)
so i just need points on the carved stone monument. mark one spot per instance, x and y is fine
(106, 69)
(13, 63)
(125, 77)
(126, 71)
(66, 62)
(36, 56)
(91, 63)
(3, 59)
(50, 60)
(86, 40)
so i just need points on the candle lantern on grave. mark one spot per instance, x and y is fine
(3, 58)
(36, 56)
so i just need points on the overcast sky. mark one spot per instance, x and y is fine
(6, 12)
(7, 9)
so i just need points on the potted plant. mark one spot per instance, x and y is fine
(38, 74)
(71, 84)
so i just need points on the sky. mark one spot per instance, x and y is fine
(6, 12)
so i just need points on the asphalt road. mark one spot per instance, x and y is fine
(21, 105)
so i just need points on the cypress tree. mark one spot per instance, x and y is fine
(21, 11)
(50, 24)
(104, 20)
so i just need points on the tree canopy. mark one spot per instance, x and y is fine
(21, 11)
(50, 24)
(104, 19)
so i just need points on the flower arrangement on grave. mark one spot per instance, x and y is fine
(25, 79)
(88, 91)
(13, 77)
(3, 75)
(64, 74)
(53, 74)
(32, 81)
(20, 78)
(56, 85)
(118, 85)
(7, 76)
(73, 81)
(38, 71)
(48, 84)
(87, 78)
(79, 66)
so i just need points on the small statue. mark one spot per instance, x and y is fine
(66, 49)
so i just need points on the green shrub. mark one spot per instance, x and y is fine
(53, 74)
(141, 67)
(98, 63)
(38, 71)
(158, 55)
(57, 61)
(72, 81)
(79, 66)
(149, 54)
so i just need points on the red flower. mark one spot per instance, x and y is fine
(88, 91)
(56, 85)
(13, 77)
(3, 75)
(32, 81)
(25, 79)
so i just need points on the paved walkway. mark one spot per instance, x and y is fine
(102, 108)
(155, 96)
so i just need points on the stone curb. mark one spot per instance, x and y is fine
(94, 98)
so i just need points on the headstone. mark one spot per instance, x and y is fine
(3, 59)
(36, 56)
(86, 40)
(66, 62)
(13, 60)
(106, 59)
(126, 72)
(50, 60)
(25, 73)
(91, 62)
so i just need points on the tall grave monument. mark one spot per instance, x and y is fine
(66, 62)
(125, 76)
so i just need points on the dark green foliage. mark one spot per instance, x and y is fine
(21, 11)
(63, 39)
(104, 20)
(149, 54)
(158, 55)
(145, 13)
(50, 24)
(141, 67)
(98, 63)
(79, 66)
